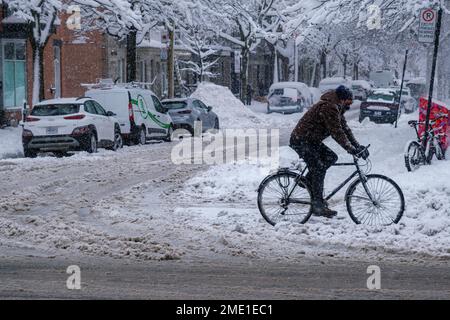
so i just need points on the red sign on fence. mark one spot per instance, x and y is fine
(440, 114)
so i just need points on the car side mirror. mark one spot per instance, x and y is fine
(110, 114)
(209, 108)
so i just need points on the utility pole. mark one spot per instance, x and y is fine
(171, 64)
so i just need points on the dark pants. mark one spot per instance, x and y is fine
(319, 159)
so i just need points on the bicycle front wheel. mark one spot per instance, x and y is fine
(282, 197)
(414, 156)
(385, 205)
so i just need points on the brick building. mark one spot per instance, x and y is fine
(71, 57)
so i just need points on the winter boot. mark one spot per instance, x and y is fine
(319, 209)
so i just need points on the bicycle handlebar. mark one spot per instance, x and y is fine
(356, 156)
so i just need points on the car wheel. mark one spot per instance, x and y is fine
(29, 153)
(118, 141)
(142, 136)
(92, 144)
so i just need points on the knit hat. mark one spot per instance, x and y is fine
(344, 93)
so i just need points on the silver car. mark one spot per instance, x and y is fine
(186, 111)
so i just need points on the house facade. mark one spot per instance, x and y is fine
(71, 57)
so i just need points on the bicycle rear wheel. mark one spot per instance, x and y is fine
(414, 156)
(281, 198)
(388, 203)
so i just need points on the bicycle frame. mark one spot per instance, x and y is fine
(342, 185)
(432, 140)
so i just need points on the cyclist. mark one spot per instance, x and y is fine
(324, 119)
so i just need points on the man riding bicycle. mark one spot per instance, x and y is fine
(324, 119)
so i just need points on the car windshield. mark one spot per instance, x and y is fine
(382, 96)
(175, 104)
(55, 110)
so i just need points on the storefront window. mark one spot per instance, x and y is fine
(14, 80)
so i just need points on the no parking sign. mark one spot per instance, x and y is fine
(427, 25)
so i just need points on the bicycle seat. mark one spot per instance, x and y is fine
(412, 122)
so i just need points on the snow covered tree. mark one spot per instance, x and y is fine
(197, 37)
(250, 22)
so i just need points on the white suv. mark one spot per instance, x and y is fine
(70, 124)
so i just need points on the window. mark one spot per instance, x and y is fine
(55, 110)
(57, 70)
(99, 109)
(197, 104)
(89, 107)
(202, 105)
(143, 71)
(158, 105)
(14, 77)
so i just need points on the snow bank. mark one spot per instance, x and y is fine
(231, 111)
(11, 143)
(234, 114)
(423, 231)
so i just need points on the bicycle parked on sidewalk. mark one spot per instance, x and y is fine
(372, 199)
(415, 154)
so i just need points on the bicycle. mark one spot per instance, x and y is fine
(415, 153)
(372, 199)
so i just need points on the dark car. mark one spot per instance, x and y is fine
(186, 111)
(381, 106)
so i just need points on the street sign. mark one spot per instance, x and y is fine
(427, 25)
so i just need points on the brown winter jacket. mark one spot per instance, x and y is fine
(325, 119)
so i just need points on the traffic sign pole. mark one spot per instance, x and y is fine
(401, 88)
(433, 73)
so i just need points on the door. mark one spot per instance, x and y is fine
(96, 119)
(203, 114)
(108, 122)
(162, 118)
(210, 116)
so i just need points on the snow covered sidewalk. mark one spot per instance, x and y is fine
(11, 143)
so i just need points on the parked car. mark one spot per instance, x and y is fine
(380, 107)
(361, 89)
(186, 111)
(409, 104)
(140, 113)
(316, 94)
(332, 83)
(70, 124)
(418, 87)
(289, 97)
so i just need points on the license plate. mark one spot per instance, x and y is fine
(378, 113)
(52, 130)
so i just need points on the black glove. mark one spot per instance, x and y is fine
(362, 152)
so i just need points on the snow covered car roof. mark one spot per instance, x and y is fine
(363, 83)
(337, 80)
(177, 100)
(63, 101)
(300, 86)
